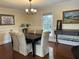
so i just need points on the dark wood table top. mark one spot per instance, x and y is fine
(33, 36)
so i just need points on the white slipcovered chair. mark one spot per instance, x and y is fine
(15, 42)
(42, 47)
(20, 45)
(24, 48)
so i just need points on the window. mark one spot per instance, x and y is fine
(47, 21)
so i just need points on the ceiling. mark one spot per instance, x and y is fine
(23, 4)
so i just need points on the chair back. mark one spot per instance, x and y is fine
(19, 43)
(15, 41)
(24, 48)
(22, 40)
(44, 39)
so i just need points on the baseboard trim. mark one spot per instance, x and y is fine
(1, 43)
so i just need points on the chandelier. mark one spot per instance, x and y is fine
(31, 10)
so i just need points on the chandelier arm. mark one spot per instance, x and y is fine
(30, 6)
(30, 3)
(30, 0)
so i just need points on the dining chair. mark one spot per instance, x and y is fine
(24, 48)
(42, 45)
(20, 45)
(15, 42)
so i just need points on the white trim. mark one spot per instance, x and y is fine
(1, 43)
(68, 42)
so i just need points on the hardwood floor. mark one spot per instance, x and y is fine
(60, 52)
(7, 53)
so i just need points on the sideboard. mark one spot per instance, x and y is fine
(66, 32)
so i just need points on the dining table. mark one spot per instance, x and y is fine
(33, 38)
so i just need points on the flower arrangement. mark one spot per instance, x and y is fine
(25, 25)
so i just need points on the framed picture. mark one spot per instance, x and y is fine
(71, 17)
(7, 19)
(59, 25)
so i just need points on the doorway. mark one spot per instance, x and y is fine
(47, 24)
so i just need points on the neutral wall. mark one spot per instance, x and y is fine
(20, 17)
(56, 11)
(65, 6)
(36, 20)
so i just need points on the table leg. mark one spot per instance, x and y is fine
(56, 39)
(33, 48)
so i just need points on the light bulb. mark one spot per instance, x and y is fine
(32, 10)
(35, 10)
(27, 10)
